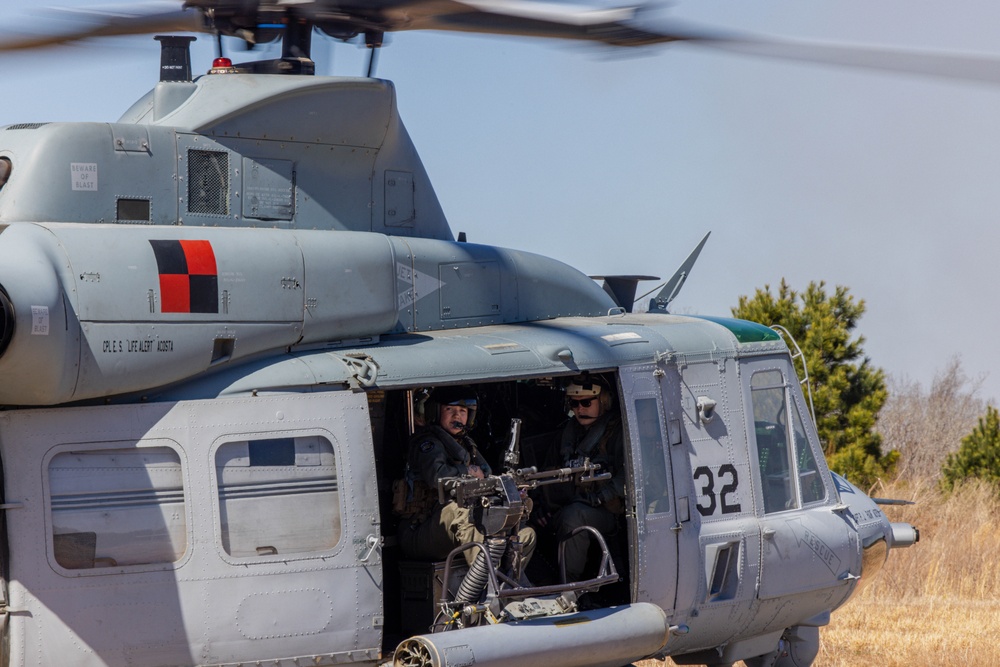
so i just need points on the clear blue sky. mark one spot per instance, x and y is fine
(619, 163)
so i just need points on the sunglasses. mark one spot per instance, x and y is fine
(580, 402)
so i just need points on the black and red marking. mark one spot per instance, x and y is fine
(189, 279)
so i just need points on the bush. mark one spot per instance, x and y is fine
(979, 455)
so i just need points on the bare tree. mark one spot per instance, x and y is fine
(927, 426)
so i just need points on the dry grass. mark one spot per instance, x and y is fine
(936, 603)
(912, 633)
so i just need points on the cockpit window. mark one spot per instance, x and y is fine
(789, 474)
(770, 419)
(810, 483)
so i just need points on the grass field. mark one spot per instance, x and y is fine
(935, 603)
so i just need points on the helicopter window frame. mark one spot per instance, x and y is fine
(789, 474)
(808, 472)
(653, 451)
(769, 403)
(258, 467)
(133, 210)
(795, 480)
(92, 508)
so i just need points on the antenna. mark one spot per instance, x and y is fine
(673, 286)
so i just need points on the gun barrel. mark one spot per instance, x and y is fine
(585, 474)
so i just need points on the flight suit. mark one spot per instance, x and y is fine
(433, 454)
(597, 504)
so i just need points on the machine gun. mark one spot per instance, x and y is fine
(497, 504)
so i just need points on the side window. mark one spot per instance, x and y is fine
(651, 445)
(278, 496)
(770, 420)
(810, 482)
(117, 507)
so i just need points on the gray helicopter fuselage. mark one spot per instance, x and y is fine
(99, 310)
(215, 315)
(243, 517)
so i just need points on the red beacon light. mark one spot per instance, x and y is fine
(222, 66)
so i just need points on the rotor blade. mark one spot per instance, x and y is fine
(618, 26)
(136, 19)
(641, 26)
(634, 26)
(629, 26)
(964, 66)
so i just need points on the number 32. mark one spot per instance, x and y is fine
(726, 494)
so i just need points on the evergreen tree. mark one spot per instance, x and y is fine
(848, 391)
(979, 455)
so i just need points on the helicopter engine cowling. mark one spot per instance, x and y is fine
(100, 310)
(97, 310)
(42, 343)
(597, 638)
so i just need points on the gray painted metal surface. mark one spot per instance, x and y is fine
(350, 167)
(228, 507)
(704, 544)
(490, 353)
(98, 311)
(199, 604)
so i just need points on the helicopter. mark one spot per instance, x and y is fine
(218, 315)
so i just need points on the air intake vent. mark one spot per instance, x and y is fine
(208, 182)
(726, 577)
(25, 126)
